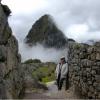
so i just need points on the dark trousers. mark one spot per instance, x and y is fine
(60, 82)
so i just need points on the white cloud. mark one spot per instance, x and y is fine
(78, 19)
(39, 52)
(66, 13)
(26, 6)
(77, 31)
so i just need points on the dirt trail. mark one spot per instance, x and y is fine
(52, 93)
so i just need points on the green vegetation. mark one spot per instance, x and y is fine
(45, 73)
(77, 46)
(32, 61)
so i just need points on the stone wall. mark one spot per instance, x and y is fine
(84, 69)
(11, 76)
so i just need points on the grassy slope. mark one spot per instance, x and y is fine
(45, 73)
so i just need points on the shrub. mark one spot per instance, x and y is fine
(45, 73)
(32, 61)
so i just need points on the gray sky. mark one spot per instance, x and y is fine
(78, 19)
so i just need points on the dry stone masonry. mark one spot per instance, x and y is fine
(11, 76)
(84, 69)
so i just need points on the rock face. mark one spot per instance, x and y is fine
(45, 31)
(84, 69)
(11, 76)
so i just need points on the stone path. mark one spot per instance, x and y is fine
(52, 93)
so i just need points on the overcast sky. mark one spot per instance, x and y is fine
(78, 19)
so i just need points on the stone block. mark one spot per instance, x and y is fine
(81, 55)
(13, 44)
(98, 63)
(93, 72)
(93, 56)
(98, 71)
(97, 56)
(97, 88)
(5, 34)
(3, 53)
(89, 75)
(95, 67)
(89, 82)
(98, 96)
(97, 78)
(84, 90)
(95, 84)
(89, 79)
(87, 63)
(2, 69)
(90, 63)
(84, 62)
(98, 49)
(3, 21)
(97, 44)
(93, 78)
(84, 79)
(77, 78)
(91, 88)
(90, 94)
(88, 70)
(2, 91)
(91, 49)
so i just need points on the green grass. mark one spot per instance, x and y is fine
(48, 78)
(45, 73)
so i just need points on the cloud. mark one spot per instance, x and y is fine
(25, 6)
(77, 31)
(39, 52)
(78, 19)
(66, 13)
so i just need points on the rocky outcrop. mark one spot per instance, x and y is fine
(84, 69)
(11, 76)
(45, 32)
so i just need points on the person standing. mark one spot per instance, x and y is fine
(61, 72)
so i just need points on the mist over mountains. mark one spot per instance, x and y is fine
(44, 41)
(77, 19)
(45, 32)
(40, 52)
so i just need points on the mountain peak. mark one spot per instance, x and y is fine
(46, 16)
(46, 32)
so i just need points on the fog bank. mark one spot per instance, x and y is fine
(39, 52)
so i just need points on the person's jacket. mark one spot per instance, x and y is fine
(62, 69)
